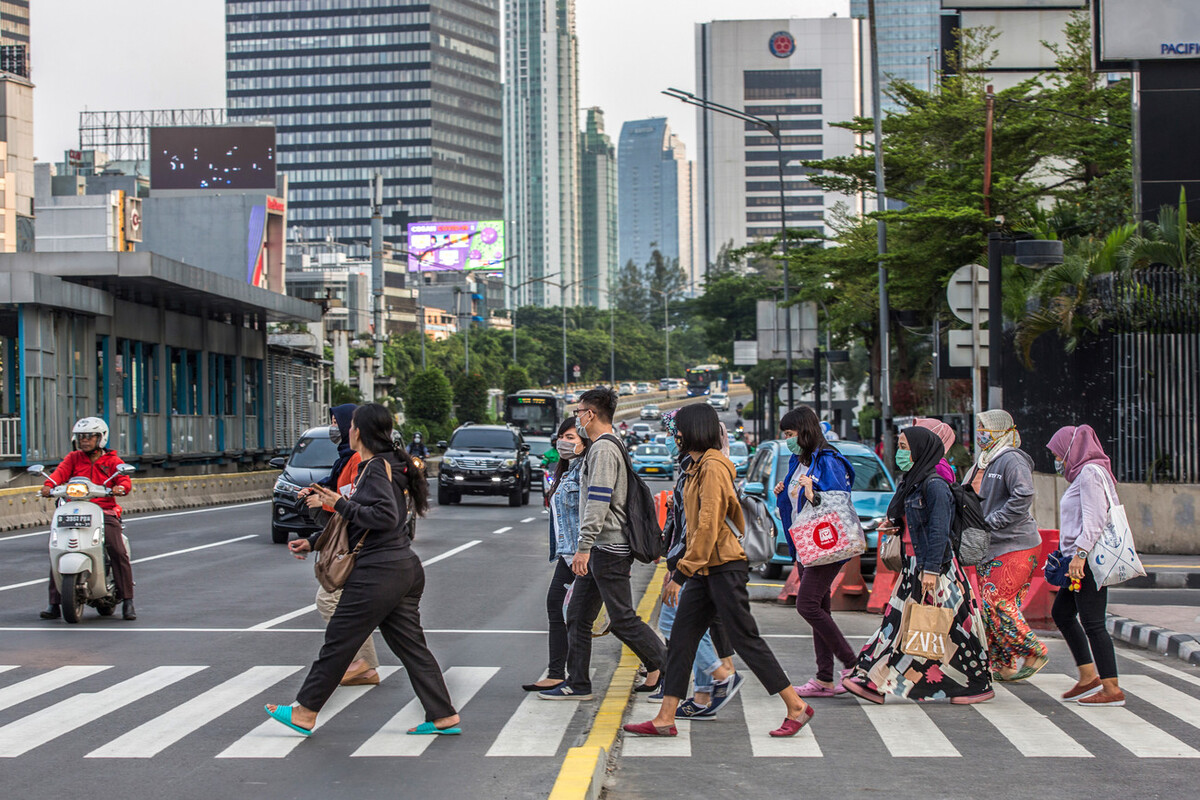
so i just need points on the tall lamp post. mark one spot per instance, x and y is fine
(512, 305)
(667, 333)
(774, 129)
(562, 287)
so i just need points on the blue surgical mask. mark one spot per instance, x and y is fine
(793, 444)
(580, 428)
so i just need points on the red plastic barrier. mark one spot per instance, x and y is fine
(790, 588)
(849, 590)
(660, 506)
(1040, 597)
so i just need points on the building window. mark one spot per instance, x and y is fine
(781, 84)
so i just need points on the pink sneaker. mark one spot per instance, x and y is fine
(814, 689)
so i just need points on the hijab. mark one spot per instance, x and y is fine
(1080, 446)
(1004, 434)
(927, 451)
(342, 415)
(940, 430)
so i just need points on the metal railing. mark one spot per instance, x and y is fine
(192, 433)
(232, 426)
(10, 437)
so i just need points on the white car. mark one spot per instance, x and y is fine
(719, 401)
(624, 389)
(650, 411)
(643, 388)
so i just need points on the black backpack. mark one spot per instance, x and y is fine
(641, 517)
(969, 532)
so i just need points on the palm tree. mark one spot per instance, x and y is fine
(1170, 242)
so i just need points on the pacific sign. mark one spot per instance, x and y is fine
(1180, 49)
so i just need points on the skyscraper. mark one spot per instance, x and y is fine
(805, 73)
(598, 211)
(16, 129)
(909, 38)
(656, 194)
(407, 89)
(14, 37)
(541, 149)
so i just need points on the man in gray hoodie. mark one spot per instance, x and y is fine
(603, 562)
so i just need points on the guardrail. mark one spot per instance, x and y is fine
(10, 437)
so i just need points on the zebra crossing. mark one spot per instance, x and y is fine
(159, 710)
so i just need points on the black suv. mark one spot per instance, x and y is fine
(485, 459)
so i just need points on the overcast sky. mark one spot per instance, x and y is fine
(150, 54)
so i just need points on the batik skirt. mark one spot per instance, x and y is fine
(1003, 582)
(965, 672)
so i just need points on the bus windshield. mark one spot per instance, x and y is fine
(534, 416)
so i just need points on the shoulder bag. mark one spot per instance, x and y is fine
(828, 531)
(335, 559)
(1114, 559)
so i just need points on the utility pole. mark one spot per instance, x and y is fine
(377, 266)
(885, 389)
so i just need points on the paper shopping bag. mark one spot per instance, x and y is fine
(925, 631)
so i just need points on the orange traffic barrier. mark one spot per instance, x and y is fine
(790, 588)
(849, 590)
(881, 587)
(1040, 597)
(660, 506)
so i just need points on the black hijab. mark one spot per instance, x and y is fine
(927, 451)
(343, 415)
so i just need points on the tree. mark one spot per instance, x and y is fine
(632, 296)
(516, 378)
(428, 397)
(471, 398)
(340, 394)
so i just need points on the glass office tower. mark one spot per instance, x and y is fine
(909, 33)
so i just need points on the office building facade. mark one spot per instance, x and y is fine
(909, 39)
(807, 73)
(541, 151)
(598, 211)
(657, 195)
(357, 87)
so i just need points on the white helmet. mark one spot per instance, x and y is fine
(92, 425)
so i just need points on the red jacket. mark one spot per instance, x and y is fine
(78, 464)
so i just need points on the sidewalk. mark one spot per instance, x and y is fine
(1171, 628)
(1168, 572)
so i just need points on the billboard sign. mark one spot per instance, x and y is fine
(455, 246)
(217, 157)
(1146, 30)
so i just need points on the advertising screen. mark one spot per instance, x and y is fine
(1146, 30)
(213, 157)
(455, 246)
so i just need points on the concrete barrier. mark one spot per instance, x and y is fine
(23, 507)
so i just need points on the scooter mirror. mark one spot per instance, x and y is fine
(126, 469)
(36, 468)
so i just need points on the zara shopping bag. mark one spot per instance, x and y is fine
(925, 631)
(828, 531)
(1114, 558)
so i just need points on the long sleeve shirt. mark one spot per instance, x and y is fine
(79, 464)
(1083, 511)
(830, 471)
(1007, 496)
(564, 513)
(377, 509)
(709, 498)
(604, 491)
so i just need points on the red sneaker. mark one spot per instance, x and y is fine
(649, 729)
(791, 727)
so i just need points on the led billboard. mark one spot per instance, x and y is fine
(455, 246)
(1146, 30)
(228, 157)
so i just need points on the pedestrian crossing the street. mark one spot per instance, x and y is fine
(215, 712)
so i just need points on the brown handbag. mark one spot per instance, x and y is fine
(891, 552)
(335, 559)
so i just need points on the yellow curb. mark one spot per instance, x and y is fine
(582, 773)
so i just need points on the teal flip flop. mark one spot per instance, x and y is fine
(429, 729)
(283, 714)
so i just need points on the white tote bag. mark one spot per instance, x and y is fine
(1114, 558)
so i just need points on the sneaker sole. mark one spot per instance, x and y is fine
(1078, 697)
(1109, 704)
(705, 718)
(567, 697)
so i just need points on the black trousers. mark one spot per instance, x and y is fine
(1089, 642)
(607, 582)
(719, 593)
(720, 639)
(385, 596)
(563, 577)
(118, 558)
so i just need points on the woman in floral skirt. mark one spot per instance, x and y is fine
(932, 575)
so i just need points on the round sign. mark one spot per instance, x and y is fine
(781, 44)
(825, 536)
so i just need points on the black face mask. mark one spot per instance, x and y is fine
(335, 434)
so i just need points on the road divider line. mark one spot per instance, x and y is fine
(528, 519)
(503, 530)
(193, 549)
(22, 585)
(271, 623)
(582, 772)
(73, 631)
(452, 552)
(207, 510)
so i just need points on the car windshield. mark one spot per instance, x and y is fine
(718, 397)
(538, 447)
(651, 450)
(641, 426)
(738, 449)
(313, 452)
(467, 439)
(649, 408)
(869, 475)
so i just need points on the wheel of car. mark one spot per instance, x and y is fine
(525, 496)
(455, 498)
(278, 536)
(514, 497)
(771, 571)
(444, 496)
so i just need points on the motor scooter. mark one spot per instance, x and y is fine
(78, 562)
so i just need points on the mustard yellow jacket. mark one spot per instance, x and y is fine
(708, 498)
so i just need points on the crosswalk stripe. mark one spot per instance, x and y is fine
(1029, 731)
(679, 746)
(907, 731)
(1121, 725)
(63, 717)
(1154, 665)
(46, 682)
(151, 738)
(1170, 700)
(272, 740)
(763, 713)
(7, 667)
(536, 728)
(393, 739)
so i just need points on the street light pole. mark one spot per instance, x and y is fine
(885, 389)
(512, 293)
(667, 333)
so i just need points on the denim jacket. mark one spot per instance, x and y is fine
(929, 514)
(564, 512)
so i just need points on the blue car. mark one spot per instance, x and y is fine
(653, 460)
(873, 490)
(739, 454)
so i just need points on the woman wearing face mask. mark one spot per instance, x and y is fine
(1003, 478)
(815, 467)
(931, 574)
(1079, 457)
(563, 501)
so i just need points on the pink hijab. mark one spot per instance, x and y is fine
(940, 430)
(1081, 447)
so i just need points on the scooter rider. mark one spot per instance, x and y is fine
(92, 459)
(417, 447)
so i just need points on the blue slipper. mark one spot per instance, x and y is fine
(429, 729)
(284, 714)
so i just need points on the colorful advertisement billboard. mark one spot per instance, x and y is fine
(455, 246)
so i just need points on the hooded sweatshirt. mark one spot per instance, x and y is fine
(1007, 495)
(708, 498)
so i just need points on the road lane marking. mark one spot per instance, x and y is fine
(1172, 701)
(193, 549)
(759, 709)
(503, 530)
(393, 739)
(452, 552)
(907, 731)
(1119, 724)
(42, 581)
(271, 623)
(528, 519)
(46, 682)
(1163, 668)
(151, 738)
(273, 740)
(206, 510)
(1030, 732)
(18, 738)
(536, 728)
(74, 631)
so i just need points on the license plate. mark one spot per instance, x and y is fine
(75, 521)
(652, 469)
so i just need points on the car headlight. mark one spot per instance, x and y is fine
(510, 462)
(287, 487)
(449, 462)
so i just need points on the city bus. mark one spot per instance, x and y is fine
(534, 412)
(700, 379)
